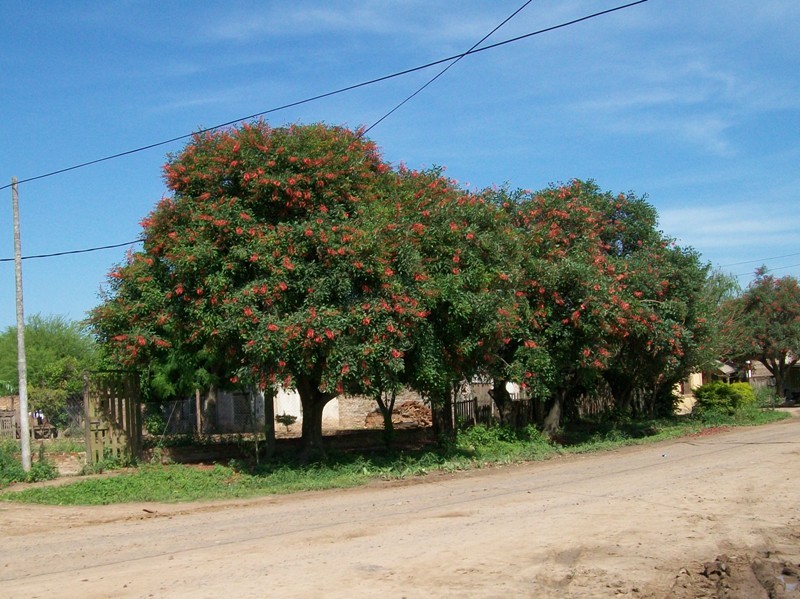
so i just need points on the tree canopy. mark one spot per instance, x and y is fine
(763, 323)
(297, 256)
(58, 351)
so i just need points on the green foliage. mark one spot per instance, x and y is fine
(764, 324)
(745, 395)
(42, 468)
(503, 443)
(109, 462)
(11, 467)
(153, 421)
(723, 398)
(766, 397)
(57, 352)
(66, 444)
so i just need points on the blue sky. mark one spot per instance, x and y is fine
(695, 104)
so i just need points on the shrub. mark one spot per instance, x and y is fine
(745, 396)
(723, 398)
(766, 397)
(42, 469)
(11, 469)
(154, 422)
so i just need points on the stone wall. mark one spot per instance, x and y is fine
(356, 411)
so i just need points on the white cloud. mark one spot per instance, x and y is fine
(690, 100)
(742, 225)
(414, 20)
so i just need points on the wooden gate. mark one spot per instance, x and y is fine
(111, 401)
(8, 424)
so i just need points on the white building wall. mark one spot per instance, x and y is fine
(287, 401)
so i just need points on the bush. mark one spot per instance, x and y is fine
(723, 398)
(11, 468)
(766, 397)
(486, 436)
(154, 423)
(744, 394)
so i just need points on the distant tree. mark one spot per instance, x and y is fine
(721, 290)
(764, 324)
(58, 351)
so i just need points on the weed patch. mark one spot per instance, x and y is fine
(11, 466)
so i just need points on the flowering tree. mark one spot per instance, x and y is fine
(275, 259)
(665, 329)
(605, 297)
(568, 294)
(669, 331)
(295, 256)
(459, 255)
(583, 292)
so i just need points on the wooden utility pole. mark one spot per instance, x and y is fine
(198, 412)
(22, 367)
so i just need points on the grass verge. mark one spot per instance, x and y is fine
(475, 448)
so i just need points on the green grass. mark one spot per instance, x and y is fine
(175, 483)
(475, 448)
(64, 445)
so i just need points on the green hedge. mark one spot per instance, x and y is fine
(723, 398)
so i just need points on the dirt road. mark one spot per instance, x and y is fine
(639, 522)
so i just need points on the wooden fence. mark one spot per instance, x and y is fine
(113, 416)
(8, 424)
(468, 412)
(37, 429)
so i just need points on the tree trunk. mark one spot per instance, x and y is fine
(621, 391)
(502, 399)
(313, 402)
(552, 421)
(387, 408)
(442, 414)
(538, 412)
(778, 370)
(210, 411)
(649, 409)
(269, 421)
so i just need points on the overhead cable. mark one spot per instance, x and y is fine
(750, 274)
(323, 95)
(447, 68)
(84, 251)
(759, 260)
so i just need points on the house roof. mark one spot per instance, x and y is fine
(726, 369)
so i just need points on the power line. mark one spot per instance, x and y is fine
(447, 68)
(750, 274)
(326, 94)
(452, 59)
(84, 251)
(759, 260)
(442, 72)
